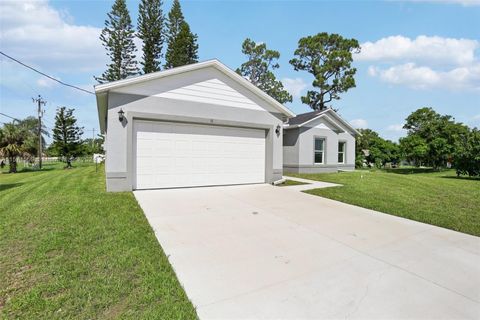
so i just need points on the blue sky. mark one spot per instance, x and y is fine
(414, 53)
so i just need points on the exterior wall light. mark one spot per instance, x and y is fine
(121, 116)
(277, 130)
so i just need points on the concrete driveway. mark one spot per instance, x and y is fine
(260, 251)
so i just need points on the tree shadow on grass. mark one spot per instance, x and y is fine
(6, 186)
(410, 170)
(462, 178)
(27, 169)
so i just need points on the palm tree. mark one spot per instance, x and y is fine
(11, 144)
(20, 140)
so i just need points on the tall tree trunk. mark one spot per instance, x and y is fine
(12, 164)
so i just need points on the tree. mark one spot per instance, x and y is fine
(90, 146)
(259, 70)
(117, 38)
(66, 135)
(328, 57)
(439, 133)
(414, 149)
(374, 149)
(150, 30)
(466, 158)
(182, 44)
(19, 139)
(30, 144)
(11, 144)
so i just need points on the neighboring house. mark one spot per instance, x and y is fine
(196, 125)
(319, 141)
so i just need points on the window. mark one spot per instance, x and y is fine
(319, 150)
(341, 152)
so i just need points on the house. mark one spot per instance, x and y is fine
(195, 125)
(318, 141)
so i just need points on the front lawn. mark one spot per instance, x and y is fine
(70, 250)
(437, 198)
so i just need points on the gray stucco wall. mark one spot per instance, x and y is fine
(304, 146)
(290, 146)
(119, 146)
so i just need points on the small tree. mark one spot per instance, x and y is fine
(328, 57)
(150, 30)
(182, 46)
(66, 135)
(117, 38)
(259, 70)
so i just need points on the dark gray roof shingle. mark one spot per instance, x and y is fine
(304, 117)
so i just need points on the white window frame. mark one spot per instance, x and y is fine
(342, 152)
(322, 151)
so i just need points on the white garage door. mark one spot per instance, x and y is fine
(170, 155)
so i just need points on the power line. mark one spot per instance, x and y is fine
(6, 115)
(47, 122)
(3, 114)
(45, 75)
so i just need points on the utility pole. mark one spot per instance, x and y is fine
(39, 102)
(93, 138)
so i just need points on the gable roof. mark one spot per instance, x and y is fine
(329, 114)
(102, 89)
(304, 117)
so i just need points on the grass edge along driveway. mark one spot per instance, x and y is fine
(437, 198)
(68, 249)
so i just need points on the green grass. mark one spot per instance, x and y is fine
(288, 182)
(437, 198)
(69, 250)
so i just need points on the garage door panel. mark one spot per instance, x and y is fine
(180, 155)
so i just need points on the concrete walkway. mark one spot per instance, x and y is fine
(259, 251)
(310, 184)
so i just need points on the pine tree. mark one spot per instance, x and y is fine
(259, 70)
(117, 38)
(328, 57)
(66, 135)
(150, 30)
(182, 43)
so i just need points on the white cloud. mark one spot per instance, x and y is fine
(36, 33)
(395, 127)
(359, 123)
(294, 85)
(422, 77)
(424, 62)
(429, 50)
(46, 83)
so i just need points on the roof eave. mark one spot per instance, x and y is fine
(337, 117)
(345, 123)
(102, 106)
